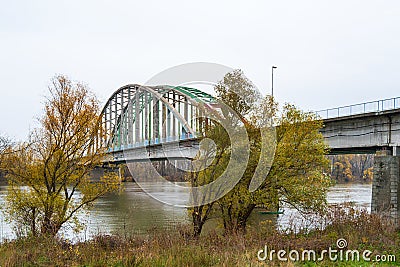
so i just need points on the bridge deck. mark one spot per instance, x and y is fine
(363, 133)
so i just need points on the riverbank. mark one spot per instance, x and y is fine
(176, 247)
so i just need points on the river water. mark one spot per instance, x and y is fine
(132, 211)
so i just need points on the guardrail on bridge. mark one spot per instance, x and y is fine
(372, 106)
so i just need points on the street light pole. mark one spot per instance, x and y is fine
(272, 88)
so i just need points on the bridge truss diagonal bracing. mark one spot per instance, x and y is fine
(138, 116)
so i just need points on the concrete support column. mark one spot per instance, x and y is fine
(385, 187)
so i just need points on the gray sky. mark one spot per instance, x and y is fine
(328, 53)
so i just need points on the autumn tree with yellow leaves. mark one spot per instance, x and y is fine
(352, 167)
(49, 176)
(5, 145)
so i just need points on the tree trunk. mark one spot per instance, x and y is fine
(33, 222)
(199, 218)
(236, 224)
(49, 227)
(197, 222)
(197, 228)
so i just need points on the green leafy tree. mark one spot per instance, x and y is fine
(49, 176)
(230, 116)
(300, 165)
(297, 174)
(219, 153)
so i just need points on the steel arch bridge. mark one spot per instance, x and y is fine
(138, 116)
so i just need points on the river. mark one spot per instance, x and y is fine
(132, 211)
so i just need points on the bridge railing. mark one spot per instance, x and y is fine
(372, 106)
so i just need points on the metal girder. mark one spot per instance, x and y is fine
(132, 114)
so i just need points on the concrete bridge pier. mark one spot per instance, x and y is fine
(385, 187)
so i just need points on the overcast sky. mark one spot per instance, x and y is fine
(328, 53)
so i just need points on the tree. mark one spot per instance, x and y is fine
(346, 168)
(200, 212)
(368, 174)
(5, 148)
(232, 109)
(297, 174)
(300, 165)
(49, 176)
(5, 145)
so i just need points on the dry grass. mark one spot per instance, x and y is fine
(178, 248)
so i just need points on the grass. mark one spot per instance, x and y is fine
(178, 248)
